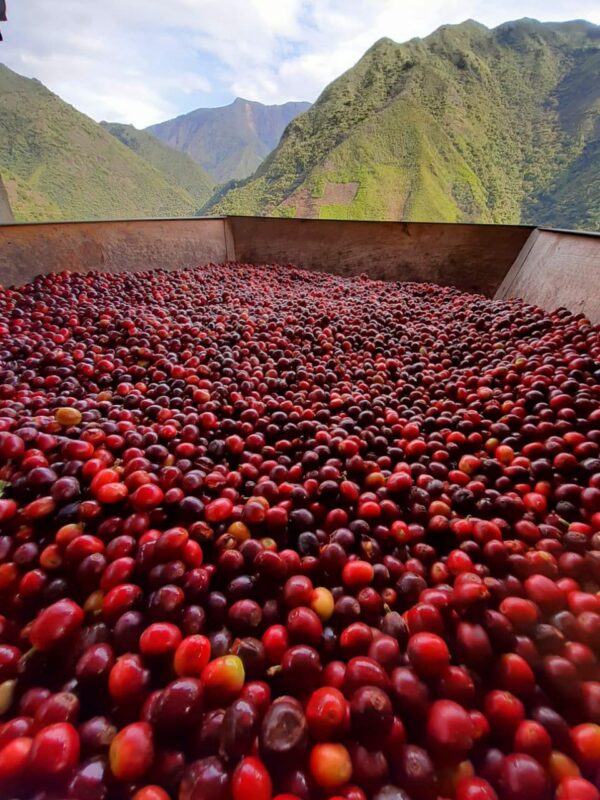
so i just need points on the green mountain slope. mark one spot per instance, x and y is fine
(170, 162)
(58, 164)
(228, 142)
(469, 124)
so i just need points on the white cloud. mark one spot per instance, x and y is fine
(146, 60)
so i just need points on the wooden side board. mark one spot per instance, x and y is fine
(557, 269)
(475, 258)
(546, 268)
(472, 257)
(30, 250)
(6, 215)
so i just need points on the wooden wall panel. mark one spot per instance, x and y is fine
(30, 250)
(474, 258)
(558, 269)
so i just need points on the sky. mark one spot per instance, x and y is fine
(144, 61)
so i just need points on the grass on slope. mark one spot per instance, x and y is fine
(571, 198)
(180, 168)
(408, 169)
(60, 165)
(466, 125)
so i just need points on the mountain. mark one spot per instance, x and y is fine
(468, 124)
(228, 142)
(58, 164)
(170, 162)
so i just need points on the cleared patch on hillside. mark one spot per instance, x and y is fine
(306, 205)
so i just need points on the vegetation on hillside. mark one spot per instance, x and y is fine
(170, 162)
(469, 124)
(466, 125)
(58, 164)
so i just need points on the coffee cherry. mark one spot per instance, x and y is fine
(327, 713)
(522, 776)
(14, 758)
(330, 765)
(191, 656)
(251, 779)
(159, 639)
(274, 532)
(371, 714)
(576, 788)
(128, 679)
(89, 780)
(151, 793)
(54, 750)
(205, 778)
(475, 789)
(179, 705)
(284, 731)
(239, 729)
(534, 740)
(504, 712)
(223, 678)
(415, 772)
(428, 654)
(586, 741)
(55, 624)
(449, 729)
(131, 751)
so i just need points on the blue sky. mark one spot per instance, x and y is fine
(143, 61)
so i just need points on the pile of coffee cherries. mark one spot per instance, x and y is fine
(267, 533)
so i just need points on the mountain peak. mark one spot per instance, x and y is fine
(231, 141)
(383, 42)
(257, 103)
